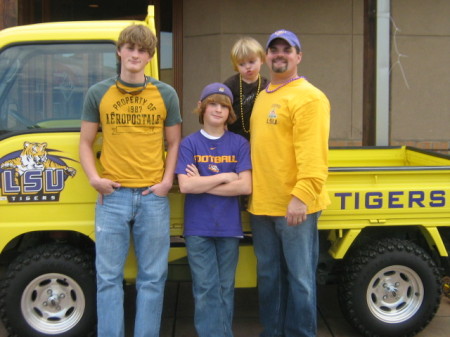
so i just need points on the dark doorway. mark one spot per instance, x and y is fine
(32, 11)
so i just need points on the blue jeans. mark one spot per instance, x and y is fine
(287, 261)
(213, 264)
(123, 212)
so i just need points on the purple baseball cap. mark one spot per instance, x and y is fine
(216, 88)
(286, 35)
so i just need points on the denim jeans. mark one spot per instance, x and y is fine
(213, 262)
(123, 212)
(287, 261)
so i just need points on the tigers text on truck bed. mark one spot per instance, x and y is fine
(384, 239)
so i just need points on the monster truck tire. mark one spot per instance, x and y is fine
(49, 291)
(390, 288)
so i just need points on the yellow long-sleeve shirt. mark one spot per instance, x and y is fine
(289, 148)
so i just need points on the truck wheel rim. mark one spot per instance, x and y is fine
(53, 303)
(395, 294)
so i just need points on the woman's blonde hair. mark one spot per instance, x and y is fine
(215, 98)
(244, 48)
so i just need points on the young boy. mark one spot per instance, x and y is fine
(136, 113)
(213, 170)
(247, 56)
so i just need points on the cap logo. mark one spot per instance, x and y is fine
(216, 88)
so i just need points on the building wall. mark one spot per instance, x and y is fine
(420, 76)
(8, 13)
(331, 33)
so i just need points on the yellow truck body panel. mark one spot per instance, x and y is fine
(386, 187)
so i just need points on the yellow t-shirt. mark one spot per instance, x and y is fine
(133, 129)
(289, 148)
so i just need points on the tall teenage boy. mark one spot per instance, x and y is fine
(136, 114)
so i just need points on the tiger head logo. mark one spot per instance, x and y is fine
(21, 169)
(213, 168)
(34, 157)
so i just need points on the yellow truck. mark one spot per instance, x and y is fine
(384, 240)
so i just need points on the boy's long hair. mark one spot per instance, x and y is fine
(215, 98)
(138, 35)
(245, 48)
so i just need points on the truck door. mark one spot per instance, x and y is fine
(42, 89)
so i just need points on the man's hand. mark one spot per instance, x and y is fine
(104, 186)
(162, 189)
(296, 212)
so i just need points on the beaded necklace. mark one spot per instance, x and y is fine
(283, 84)
(241, 96)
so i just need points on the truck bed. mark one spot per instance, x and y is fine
(385, 158)
(386, 187)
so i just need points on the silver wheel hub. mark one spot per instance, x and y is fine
(395, 294)
(53, 303)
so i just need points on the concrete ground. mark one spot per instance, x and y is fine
(178, 314)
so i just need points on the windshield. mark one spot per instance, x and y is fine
(43, 86)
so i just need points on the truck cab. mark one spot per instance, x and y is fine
(46, 203)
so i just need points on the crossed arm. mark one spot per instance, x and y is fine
(223, 184)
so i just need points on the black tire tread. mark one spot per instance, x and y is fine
(34, 255)
(361, 258)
